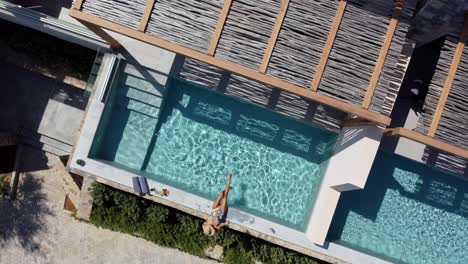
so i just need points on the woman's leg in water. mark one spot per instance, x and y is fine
(226, 192)
(218, 201)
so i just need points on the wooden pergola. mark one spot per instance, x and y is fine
(429, 138)
(310, 93)
(362, 112)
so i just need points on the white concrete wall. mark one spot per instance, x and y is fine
(348, 169)
(353, 157)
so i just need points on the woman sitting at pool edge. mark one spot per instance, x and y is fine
(218, 212)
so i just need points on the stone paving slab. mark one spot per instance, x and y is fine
(41, 104)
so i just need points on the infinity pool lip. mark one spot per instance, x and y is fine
(198, 206)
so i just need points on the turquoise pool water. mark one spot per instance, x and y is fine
(408, 213)
(200, 135)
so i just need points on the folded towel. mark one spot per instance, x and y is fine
(144, 185)
(136, 185)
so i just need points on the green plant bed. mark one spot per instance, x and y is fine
(127, 213)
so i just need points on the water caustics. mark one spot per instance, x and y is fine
(200, 135)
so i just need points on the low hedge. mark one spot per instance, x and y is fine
(127, 213)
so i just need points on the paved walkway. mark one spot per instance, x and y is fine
(37, 103)
(35, 229)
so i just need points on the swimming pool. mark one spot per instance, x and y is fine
(407, 213)
(199, 135)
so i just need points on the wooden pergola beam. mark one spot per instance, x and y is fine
(328, 45)
(383, 54)
(101, 33)
(78, 4)
(235, 68)
(219, 27)
(430, 141)
(355, 122)
(274, 36)
(146, 15)
(449, 81)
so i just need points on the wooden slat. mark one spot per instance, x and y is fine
(383, 54)
(219, 27)
(146, 15)
(355, 122)
(78, 4)
(430, 141)
(274, 35)
(449, 81)
(102, 34)
(255, 75)
(328, 45)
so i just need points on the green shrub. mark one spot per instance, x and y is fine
(4, 185)
(127, 213)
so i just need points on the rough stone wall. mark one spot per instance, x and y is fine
(436, 86)
(453, 124)
(127, 13)
(187, 23)
(247, 31)
(446, 161)
(454, 121)
(261, 94)
(298, 48)
(395, 65)
(300, 43)
(356, 49)
(435, 19)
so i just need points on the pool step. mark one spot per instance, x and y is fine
(43, 142)
(143, 109)
(141, 83)
(140, 102)
(144, 97)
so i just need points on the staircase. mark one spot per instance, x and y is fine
(62, 149)
(43, 142)
(135, 115)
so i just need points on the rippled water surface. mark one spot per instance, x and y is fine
(200, 135)
(408, 213)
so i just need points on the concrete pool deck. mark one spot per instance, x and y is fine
(351, 144)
